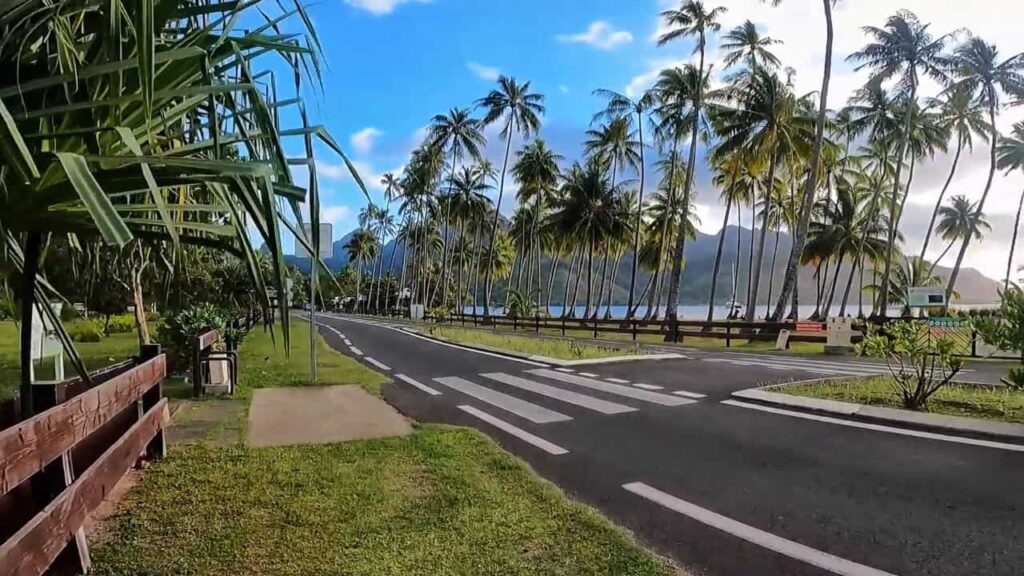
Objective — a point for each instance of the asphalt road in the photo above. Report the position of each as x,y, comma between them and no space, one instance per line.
724,489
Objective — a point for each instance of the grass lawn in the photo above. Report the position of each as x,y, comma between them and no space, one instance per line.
442,501
263,364
991,403
96,355
564,350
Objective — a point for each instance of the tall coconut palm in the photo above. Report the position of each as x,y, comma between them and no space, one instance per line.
362,246
665,210
460,135
813,168
767,121
745,44
1011,157
729,169
536,169
637,110
614,142
977,69
392,191
914,272
904,49
519,111
963,114
686,98
957,221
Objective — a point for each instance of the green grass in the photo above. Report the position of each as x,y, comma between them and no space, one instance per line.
561,349
96,355
442,501
990,403
264,364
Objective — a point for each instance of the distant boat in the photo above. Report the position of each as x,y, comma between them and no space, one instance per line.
735,307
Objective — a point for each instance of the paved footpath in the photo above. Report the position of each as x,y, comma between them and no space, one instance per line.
725,487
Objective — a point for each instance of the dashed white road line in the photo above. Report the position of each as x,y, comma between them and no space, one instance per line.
689,394
378,363
522,408
416,384
627,391
550,448
617,380
347,342
355,350
649,386
777,544
566,370
880,428
589,375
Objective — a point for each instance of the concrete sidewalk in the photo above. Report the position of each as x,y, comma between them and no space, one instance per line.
291,416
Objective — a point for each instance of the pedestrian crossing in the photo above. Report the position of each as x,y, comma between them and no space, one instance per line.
807,365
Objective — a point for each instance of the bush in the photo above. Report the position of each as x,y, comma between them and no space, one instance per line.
8,310
919,362
85,330
1007,332
177,332
68,313
121,324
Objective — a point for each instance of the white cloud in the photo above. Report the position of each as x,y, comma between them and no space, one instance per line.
601,35
362,141
341,173
489,73
563,88
381,7
338,215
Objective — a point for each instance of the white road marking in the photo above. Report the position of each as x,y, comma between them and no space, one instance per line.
617,380
653,397
355,350
347,342
879,427
378,364
598,405
778,544
523,435
589,375
522,408
566,370
649,387
416,384
689,394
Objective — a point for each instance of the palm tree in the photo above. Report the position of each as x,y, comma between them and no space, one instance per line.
807,202
1011,157
536,169
745,44
392,191
460,135
686,93
469,203
914,272
729,170
978,71
958,221
519,110
769,122
361,247
614,143
903,49
964,115
637,109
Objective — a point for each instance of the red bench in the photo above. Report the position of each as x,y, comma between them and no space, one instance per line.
809,326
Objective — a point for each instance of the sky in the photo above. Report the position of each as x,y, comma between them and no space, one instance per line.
394,64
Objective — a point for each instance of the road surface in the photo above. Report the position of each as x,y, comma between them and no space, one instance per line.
725,488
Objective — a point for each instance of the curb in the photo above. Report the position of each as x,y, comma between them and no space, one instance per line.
894,416
545,359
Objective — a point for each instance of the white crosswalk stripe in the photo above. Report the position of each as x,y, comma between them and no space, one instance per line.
583,400
521,408
825,367
627,391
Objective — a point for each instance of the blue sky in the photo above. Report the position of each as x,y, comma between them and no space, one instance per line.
393,64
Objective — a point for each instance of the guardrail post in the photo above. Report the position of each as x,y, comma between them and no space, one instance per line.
634,323
536,323
157,448
563,325
595,328
675,330
728,336
974,343
197,370
515,323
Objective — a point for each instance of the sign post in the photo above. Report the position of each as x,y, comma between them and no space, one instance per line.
324,250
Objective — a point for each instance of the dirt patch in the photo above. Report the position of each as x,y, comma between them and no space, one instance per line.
219,422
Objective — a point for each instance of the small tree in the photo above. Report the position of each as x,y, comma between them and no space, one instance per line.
920,363
1006,332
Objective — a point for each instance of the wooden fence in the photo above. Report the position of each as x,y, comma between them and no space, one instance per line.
676,331
57,466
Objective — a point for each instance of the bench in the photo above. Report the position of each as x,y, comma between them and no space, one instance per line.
809,326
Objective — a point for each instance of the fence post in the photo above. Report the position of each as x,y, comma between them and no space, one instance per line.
595,328
157,448
197,370
515,323
563,325
974,343
675,330
634,322
536,323
728,336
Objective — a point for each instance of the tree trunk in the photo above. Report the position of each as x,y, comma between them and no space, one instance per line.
476,266
718,256
753,236
600,291
405,263
942,196
611,286
579,278
639,224
800,236
141,329
651,311
29,270
771,269
1013,243
590,276
981,203
494,227
551,276
759,259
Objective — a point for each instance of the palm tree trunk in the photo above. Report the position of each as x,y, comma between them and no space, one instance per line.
1013,243
800,236
476,266
817,285
651,311
405,265
600,292
718,256
771,269
391,273
494,226
359,282
759,259
753,236
835,283
639,224
611,285
568,282
557,257
981,203
579,277
460,293
942,196
590,276
29,270
849,284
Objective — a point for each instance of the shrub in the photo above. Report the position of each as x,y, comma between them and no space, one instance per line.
8,309
85,330
1007,331
121,324
68,313
177,332
919,362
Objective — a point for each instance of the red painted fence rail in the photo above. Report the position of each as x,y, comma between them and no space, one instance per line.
58,466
